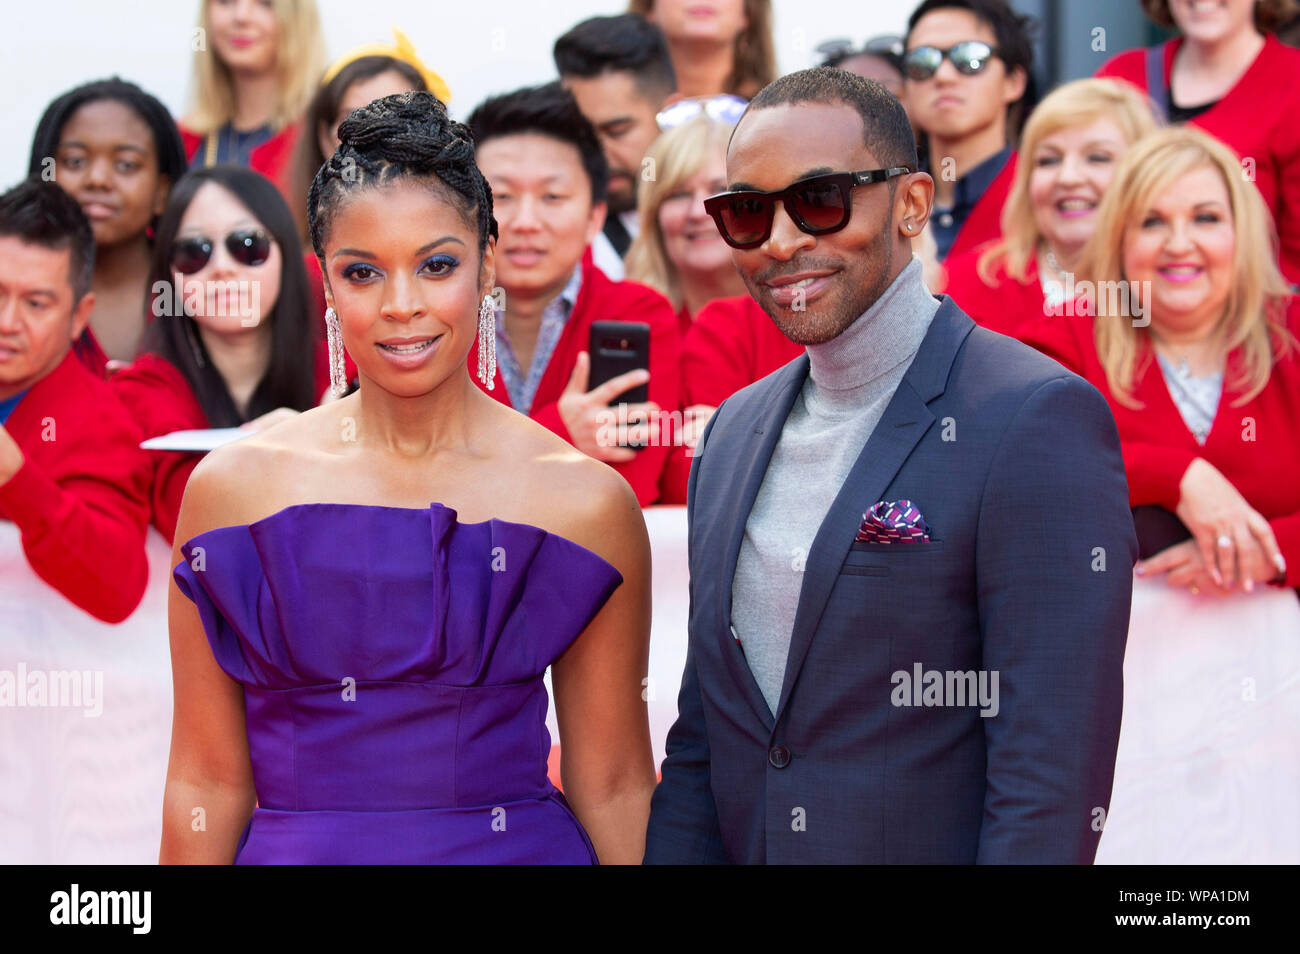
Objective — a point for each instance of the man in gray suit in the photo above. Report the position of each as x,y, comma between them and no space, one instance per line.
910,548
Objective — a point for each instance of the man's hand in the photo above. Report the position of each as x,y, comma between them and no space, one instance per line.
597,429
11,456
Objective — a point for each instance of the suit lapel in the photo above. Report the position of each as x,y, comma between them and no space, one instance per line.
901,427
764,434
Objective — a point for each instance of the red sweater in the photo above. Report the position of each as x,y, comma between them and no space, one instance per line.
1005,305
80,498
984,224
1257,119
600,299
271,158
1253,445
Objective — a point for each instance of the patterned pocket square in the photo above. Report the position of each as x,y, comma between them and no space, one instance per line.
893,522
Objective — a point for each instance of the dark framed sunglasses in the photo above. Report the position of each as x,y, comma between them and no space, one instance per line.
969,57
819,205
246,246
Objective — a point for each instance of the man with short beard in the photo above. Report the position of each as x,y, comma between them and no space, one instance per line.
913,495
620,74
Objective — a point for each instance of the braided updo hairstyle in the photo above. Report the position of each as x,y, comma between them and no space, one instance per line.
406,134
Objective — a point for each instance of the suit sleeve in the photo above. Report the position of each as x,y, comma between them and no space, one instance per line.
83,527
684,825
1055,549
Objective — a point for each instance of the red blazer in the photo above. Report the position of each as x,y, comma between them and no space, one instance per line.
160,400
1005,305
1257,119
271,158
600,299
81,497
90,353
984,224
1253,445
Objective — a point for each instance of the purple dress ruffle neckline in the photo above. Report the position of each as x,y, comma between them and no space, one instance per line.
392,662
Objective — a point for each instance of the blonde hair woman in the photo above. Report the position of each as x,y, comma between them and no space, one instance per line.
1193,346
727,49
678,251
255,70
1069,150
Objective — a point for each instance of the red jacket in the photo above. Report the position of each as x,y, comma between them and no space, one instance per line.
161,401
984,224
271,158
1253,445
1005,305
80,498
1257,119
731,343
600,299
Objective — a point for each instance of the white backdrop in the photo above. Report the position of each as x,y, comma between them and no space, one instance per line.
479,48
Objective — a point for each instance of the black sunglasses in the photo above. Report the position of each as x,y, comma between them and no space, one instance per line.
246,246
970,57
819,205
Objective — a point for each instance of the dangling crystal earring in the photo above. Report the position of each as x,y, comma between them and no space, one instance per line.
487,342
338,375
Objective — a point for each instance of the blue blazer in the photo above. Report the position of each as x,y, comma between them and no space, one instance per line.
1015,464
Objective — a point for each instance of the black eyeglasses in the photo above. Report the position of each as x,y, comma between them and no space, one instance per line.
819,205
246,246
970,57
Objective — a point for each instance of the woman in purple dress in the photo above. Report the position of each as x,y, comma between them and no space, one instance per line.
367,595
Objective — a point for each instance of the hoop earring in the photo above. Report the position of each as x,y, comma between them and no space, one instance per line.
334,334
487,342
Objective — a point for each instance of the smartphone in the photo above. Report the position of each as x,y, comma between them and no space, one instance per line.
617,347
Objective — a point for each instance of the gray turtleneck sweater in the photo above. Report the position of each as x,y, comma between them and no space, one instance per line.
851,380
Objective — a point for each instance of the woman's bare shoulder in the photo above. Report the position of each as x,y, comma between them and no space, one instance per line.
579,497
253,477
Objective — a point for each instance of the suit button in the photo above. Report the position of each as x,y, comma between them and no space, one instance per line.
779,756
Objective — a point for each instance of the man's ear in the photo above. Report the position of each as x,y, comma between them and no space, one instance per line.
596,221
912,203
81,314
1014,86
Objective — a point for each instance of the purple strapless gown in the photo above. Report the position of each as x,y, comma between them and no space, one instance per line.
392,663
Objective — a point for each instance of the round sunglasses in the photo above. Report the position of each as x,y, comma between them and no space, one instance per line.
969,57
818,205
246,246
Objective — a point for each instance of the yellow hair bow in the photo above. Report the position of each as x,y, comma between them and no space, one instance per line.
402,49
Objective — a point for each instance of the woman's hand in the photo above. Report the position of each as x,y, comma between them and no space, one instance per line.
269,419
1235,543
1182,566
599,430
